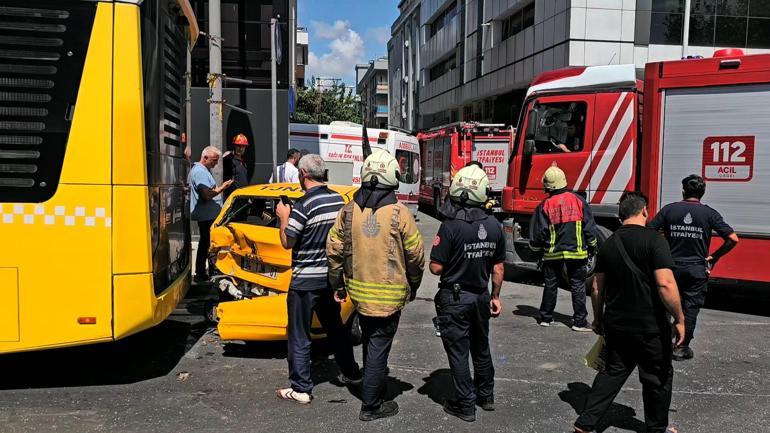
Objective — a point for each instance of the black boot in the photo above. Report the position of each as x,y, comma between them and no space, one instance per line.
486,403
386,409
464,412
682,353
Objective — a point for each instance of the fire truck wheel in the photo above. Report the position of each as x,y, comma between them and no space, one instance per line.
602,234
436,203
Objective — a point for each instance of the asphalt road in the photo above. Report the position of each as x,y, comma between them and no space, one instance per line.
180,377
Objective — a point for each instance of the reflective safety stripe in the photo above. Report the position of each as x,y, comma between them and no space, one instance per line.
552,229
579,234
376,294
376,302
412,241
415,278
382,286
565,255
335,234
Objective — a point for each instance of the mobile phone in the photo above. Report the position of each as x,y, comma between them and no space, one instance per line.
285,200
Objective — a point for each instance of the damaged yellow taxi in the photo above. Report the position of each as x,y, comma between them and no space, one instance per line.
254,270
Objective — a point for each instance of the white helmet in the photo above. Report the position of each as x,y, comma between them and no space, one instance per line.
554,179
470,185
382,168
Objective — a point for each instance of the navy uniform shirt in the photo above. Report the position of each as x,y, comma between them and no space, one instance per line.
468,250
235,169
310,220
688,226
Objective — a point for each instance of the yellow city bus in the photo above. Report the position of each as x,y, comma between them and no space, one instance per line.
94,225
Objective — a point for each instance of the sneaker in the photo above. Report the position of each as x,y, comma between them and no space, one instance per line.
582,329
465,413
682,353
544,323
289,394
346,381
386,409
486,403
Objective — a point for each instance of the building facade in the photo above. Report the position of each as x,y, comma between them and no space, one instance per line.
301,56
372,89
246,55
404,66
475,58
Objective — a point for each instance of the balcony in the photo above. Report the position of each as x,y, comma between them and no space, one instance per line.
381,111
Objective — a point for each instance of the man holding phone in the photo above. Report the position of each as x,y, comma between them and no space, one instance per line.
304,229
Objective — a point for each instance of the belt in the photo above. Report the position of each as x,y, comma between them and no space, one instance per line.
462,287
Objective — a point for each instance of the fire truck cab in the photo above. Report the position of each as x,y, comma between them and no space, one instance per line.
612,132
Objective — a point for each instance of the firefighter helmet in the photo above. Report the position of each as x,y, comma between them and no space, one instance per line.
382,169
240,140
554,179
470,185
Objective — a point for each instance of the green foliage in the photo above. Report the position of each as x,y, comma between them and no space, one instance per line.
326,104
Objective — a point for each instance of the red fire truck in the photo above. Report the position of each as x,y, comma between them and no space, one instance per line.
446,149
611,132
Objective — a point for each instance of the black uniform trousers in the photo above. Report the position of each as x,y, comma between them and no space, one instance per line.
576,278
377,338
652,354
301,304
692,280
463,321
202,255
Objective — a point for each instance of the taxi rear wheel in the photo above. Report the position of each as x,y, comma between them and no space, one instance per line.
354,329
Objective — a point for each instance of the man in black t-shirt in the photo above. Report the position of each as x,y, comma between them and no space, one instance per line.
469,249
688,225
633,289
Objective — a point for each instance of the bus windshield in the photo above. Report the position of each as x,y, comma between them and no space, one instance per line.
409,166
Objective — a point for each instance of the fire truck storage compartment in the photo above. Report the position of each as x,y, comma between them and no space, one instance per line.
723,134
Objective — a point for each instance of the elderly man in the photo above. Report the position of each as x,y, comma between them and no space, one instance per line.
304,229
205,204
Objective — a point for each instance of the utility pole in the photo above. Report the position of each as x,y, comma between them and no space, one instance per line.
274,98
686,29
215,82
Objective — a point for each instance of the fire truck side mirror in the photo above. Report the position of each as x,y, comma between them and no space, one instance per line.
529,147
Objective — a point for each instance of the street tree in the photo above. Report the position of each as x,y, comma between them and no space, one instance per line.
324,104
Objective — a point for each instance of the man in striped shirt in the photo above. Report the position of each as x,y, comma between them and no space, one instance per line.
304,229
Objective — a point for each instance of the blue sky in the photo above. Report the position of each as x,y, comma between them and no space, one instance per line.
345,32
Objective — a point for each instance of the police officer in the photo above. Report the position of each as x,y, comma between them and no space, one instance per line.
563,231
688,225
234,166
468,248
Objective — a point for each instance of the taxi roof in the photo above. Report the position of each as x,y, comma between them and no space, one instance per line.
290,190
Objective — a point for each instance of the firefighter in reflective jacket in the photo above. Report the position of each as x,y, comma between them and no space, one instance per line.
376,256
468,249
563,231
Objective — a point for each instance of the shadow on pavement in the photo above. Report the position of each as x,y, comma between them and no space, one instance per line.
146,355
530,311
619,416
438,386
739,298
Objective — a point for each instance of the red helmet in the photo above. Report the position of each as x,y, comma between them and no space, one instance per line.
240,140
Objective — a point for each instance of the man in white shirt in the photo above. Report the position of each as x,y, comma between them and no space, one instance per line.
287,172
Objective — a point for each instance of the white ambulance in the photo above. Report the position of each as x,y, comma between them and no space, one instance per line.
339,144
